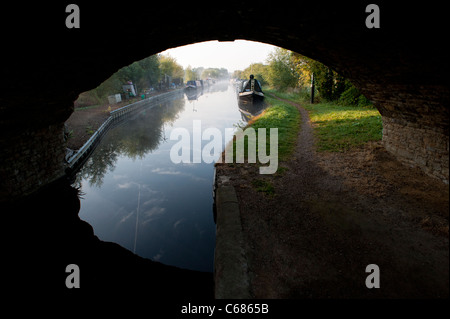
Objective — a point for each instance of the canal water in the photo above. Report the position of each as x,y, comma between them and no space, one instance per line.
134,195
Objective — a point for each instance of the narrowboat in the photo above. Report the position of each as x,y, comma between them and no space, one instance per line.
194,85
251,91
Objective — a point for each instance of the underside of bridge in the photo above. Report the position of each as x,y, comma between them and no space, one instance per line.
402,67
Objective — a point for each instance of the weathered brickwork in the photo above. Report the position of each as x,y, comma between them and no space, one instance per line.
30,160
418,145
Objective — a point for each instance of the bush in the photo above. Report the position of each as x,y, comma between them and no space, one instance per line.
363,101
352,96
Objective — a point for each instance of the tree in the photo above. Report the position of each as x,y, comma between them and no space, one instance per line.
259,70
292,70
215,73
170,67
151,66
238,74
132,72
145,73
323,76
281,71
189,74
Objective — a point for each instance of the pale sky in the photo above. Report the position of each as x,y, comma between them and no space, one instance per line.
232,56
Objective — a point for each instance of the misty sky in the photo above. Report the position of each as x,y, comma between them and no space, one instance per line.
236,55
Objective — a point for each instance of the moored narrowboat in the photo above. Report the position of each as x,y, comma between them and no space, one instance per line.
251,90
194,85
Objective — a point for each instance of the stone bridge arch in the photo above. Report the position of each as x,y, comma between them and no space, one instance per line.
402,66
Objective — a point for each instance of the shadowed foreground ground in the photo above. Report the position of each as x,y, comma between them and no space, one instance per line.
44,234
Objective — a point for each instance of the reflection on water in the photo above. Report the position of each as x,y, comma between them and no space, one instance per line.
135,196
134,138
250,110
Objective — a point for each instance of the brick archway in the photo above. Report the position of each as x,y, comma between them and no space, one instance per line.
402,67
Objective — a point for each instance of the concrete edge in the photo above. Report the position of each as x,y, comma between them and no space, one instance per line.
230,262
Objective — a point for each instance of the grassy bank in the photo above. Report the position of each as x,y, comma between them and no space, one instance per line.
339,128
279,115
284,117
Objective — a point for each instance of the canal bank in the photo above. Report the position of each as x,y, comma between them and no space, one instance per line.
232,275
329,216
230,260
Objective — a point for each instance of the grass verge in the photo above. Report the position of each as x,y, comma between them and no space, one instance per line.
338,127
284,117
279,115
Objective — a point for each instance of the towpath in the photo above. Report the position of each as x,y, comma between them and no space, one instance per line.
332,214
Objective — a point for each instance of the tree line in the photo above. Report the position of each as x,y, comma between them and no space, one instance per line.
201,73
287,70
156,72
284,70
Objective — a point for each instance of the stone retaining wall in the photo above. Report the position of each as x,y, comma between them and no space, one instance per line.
418,145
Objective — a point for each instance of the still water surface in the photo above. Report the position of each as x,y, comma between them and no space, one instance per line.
135,196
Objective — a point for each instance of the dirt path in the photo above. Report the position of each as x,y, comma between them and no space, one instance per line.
333,214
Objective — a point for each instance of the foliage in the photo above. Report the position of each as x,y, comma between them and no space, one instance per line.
214,73
352,96
281,70
330,85
169,66
287,71
259,70
145,74
190,74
